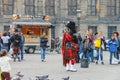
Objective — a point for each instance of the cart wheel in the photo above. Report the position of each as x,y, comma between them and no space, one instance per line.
31,50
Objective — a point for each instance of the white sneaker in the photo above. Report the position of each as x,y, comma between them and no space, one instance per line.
72,69
67,67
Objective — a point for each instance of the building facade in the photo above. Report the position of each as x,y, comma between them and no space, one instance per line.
100,15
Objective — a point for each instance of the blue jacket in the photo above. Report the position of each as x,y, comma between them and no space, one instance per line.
113,44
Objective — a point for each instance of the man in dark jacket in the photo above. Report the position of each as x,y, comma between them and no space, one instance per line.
16,39
43,46
79,38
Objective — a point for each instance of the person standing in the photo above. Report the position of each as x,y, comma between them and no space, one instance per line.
16,39
22,45
57,44
1,41
43,46
5,40
116,34
91,36
5,65
113,44
9,33
79,42
98,42
87,46
69,48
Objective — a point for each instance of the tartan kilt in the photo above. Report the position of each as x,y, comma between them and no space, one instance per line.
69,54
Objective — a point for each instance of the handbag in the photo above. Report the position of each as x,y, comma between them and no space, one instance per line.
11,51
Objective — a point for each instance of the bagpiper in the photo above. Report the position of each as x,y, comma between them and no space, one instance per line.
69,47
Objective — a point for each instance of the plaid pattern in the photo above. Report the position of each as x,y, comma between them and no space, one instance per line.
69,53
16,50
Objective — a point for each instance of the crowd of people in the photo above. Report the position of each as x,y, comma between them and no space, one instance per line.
11,45
13,40
75,48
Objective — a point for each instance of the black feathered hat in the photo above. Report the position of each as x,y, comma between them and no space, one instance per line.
71,25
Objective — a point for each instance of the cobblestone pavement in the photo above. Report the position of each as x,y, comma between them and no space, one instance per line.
33,66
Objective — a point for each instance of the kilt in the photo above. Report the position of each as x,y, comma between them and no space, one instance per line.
69,54
16,50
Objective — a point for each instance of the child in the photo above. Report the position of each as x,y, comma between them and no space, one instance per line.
5,65
113,44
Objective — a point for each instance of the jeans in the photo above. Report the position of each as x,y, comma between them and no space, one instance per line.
100,54
117,55
92,55
80,51
111,54
22,51
86,54
5,47
43,52
0,47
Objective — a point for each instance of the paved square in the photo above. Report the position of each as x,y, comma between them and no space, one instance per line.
33,66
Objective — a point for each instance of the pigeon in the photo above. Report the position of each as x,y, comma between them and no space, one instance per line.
42,76
19,74
66,78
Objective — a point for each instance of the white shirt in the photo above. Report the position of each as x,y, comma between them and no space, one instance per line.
5,39
5,64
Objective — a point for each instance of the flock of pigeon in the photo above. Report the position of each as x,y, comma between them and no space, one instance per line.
39,77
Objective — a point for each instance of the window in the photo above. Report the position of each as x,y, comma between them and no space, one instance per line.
111,29
111,8
92,11
29,7
72,7
8,7
6,27
50,7
38,6
94,28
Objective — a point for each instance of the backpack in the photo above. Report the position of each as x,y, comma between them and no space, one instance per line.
97,43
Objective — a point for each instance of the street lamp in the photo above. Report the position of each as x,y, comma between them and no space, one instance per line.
78,17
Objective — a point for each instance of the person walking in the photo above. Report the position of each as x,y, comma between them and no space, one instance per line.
16,39
113,44
5,65
43,46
